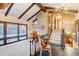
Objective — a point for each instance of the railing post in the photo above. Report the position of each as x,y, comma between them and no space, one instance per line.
30,48
35,47
31,42
62,39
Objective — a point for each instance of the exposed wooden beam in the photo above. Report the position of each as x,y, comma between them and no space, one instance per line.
9,9
69,10
39,5
26,10
35,20
49,7
3,5
34,15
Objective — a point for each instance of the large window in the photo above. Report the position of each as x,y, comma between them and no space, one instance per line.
22,30
10,32
1,30
1,33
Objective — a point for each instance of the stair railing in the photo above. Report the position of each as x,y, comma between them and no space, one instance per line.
33,45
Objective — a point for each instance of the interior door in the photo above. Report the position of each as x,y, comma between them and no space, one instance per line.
77,34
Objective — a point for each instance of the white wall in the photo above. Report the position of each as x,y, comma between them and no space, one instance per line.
43,20
77,16
21,48
13,19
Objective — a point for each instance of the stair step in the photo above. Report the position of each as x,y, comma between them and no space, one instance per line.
55,37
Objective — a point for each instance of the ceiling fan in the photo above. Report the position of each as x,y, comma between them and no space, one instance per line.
62,9
3,5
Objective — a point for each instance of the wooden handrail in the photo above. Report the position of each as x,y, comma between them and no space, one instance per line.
30,48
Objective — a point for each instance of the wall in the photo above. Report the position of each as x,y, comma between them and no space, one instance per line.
21,48
76,16
43,19
16,20
67,21
30,28
12,19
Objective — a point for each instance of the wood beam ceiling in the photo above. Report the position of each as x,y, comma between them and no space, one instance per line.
26,10
3,5
49,7
34,20
61,10
34,15
39,5
8,10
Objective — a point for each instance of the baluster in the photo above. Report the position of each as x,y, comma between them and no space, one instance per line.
30,48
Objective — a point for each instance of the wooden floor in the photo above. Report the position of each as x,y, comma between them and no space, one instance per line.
68,51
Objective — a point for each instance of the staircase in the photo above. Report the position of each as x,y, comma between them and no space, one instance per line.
56,37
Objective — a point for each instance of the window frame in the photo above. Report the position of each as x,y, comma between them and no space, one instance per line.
3,31
5,38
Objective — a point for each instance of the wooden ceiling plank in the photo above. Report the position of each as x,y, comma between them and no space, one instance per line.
26,10
34,15
8,10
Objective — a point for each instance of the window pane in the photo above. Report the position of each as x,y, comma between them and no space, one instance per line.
11,40
22,30
21,38
1,30
11,30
